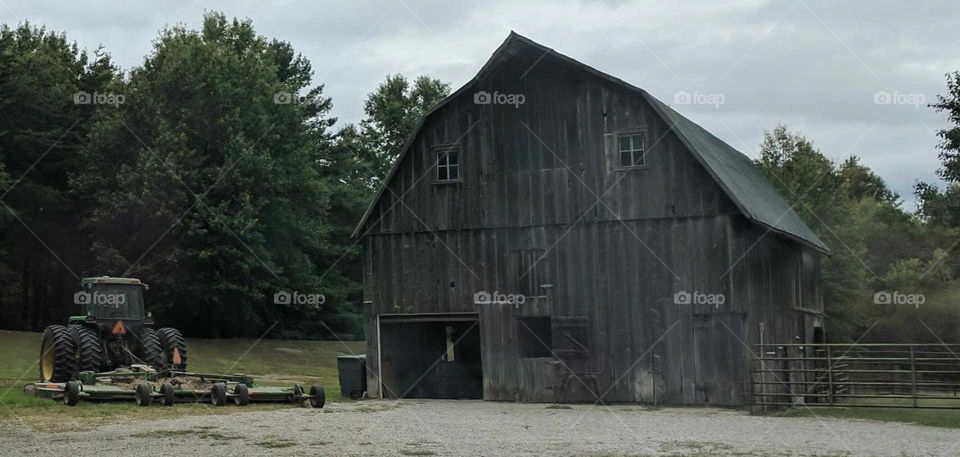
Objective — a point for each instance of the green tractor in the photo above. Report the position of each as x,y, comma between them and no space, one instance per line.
114,331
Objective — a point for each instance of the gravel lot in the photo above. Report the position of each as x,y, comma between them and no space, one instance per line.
489,429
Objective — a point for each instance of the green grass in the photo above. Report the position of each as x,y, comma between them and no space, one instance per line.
202,433
275,443
932,417
271,362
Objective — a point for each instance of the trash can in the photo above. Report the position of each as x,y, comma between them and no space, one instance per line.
352,371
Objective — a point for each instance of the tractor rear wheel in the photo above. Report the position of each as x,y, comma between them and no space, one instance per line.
149,348
58,355
173,347
89,351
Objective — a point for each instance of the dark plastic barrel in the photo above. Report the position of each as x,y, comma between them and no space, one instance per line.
353,375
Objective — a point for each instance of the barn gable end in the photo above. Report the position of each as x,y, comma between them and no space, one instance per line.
602,254
742,183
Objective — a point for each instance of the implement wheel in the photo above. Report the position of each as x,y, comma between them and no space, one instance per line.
89,351
144,394
168,393
71,393
218,394
58,355
241,395
173,347
318,396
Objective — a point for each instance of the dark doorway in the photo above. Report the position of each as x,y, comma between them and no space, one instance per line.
431,356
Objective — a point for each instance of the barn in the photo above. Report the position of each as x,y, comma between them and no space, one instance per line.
553,233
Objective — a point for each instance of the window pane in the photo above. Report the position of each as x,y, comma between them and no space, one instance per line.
442,158
454,172
637,142
625,159
535,336
442,173
452,157
624,143
638,157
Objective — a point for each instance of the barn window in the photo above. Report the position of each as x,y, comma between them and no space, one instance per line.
536,336
448,165
631,149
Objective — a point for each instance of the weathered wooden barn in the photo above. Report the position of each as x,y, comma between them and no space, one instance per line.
552,232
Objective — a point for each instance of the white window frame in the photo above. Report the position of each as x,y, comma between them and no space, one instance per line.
632,149
441,151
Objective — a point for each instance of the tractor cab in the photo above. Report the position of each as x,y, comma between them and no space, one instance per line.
104,300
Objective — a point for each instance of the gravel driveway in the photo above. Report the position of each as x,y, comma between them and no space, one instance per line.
490,429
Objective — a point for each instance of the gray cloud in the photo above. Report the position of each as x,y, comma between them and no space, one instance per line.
813,65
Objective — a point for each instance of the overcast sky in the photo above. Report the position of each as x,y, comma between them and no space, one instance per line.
818,66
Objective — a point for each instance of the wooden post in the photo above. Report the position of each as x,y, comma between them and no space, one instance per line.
913,376
763,377
830,375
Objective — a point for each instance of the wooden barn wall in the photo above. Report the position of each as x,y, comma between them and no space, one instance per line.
531,178
601,271
774,277
545,162
775,284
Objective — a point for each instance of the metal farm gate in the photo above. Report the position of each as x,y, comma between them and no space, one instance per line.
860,375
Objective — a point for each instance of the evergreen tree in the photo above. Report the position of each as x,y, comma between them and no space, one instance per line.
209,182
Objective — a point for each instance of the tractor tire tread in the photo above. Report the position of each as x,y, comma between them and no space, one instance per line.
89,349
149,348
170,339
64,352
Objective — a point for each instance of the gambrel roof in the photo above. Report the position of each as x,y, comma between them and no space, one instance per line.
733,171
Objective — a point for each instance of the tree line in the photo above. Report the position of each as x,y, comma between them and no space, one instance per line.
215,172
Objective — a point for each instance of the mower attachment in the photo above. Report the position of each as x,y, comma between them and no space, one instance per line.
145,386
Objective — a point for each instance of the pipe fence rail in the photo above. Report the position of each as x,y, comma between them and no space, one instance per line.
860,375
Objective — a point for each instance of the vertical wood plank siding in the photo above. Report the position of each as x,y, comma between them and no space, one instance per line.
618,243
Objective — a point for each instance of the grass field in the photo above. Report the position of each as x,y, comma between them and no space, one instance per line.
932,417
271,362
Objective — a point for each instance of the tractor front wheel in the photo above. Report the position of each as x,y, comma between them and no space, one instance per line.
149,348
89,351
58,355
174,349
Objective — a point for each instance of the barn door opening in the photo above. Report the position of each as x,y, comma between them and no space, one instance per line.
430,356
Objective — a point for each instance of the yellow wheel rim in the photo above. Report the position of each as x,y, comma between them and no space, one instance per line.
47,361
